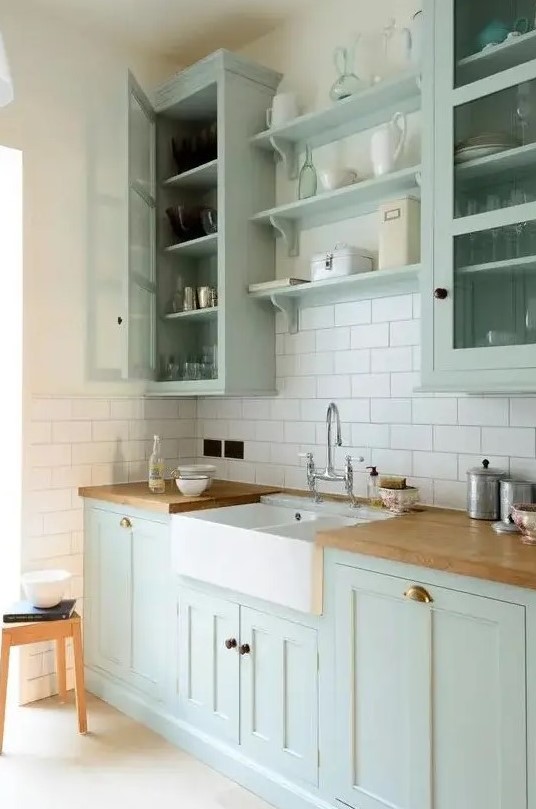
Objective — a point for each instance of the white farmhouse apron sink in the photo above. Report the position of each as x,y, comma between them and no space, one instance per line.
266,550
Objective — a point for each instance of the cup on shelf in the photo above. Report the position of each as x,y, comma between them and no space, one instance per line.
209,220
205,297
190,299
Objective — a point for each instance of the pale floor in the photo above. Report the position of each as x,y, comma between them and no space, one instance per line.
46,764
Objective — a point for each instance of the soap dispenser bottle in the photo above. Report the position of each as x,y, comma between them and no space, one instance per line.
373,487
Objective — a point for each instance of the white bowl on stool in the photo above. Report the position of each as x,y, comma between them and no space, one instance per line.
45,588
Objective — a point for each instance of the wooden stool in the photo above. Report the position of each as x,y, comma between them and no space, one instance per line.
22,634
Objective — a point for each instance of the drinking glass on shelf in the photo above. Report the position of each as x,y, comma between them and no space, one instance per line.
518,232
474,238
523,109
496,251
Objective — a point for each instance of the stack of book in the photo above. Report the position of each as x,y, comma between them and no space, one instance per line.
24,613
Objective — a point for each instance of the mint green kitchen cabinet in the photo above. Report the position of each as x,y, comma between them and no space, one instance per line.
229,348
126,598
279,694
430,696
208,663
250,677
479,224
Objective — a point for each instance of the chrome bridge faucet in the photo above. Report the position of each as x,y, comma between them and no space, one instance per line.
329,473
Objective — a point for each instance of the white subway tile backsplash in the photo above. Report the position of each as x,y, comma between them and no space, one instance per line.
370,385
257,451
44,408
317,317
392,461
334,387
434,410
523,412
356,361
404,333
442,465
450,494
353,313
483,411
391,359
265,430
404,383
90,409
317,364
411,436
397,307
253,409
50,455
301,432
303,342
457,439
523,468
389,411
337,339
300,387
72,432
370,435
516,441
39,432
284,410
126,409
375,335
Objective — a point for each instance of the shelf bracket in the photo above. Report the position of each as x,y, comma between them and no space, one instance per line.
288,154
288,230
290,309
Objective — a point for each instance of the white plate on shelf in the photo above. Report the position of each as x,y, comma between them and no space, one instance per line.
474,152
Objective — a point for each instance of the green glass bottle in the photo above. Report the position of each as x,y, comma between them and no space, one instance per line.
307,181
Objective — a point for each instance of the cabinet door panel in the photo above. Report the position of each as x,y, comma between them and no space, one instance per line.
208,670
107,593
382,704
279,694
478,703
149,604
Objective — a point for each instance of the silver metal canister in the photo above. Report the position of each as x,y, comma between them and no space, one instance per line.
483,491
514,491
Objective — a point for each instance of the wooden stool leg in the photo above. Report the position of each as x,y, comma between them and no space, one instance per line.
61,669
4,669
79,678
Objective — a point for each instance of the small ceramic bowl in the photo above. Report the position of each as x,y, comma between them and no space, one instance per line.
331,179
196,469
399,501
45,588
192,485
524,516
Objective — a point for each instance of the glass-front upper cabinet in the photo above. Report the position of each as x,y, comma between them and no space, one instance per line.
483,64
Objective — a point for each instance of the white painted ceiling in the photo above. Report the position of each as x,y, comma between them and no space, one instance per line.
185,29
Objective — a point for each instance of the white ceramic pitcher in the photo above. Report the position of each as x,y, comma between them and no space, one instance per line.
387,143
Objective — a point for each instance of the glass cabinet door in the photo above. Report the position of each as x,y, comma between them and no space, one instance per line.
485,185
141,282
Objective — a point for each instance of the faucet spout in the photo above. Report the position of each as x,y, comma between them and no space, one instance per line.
332,413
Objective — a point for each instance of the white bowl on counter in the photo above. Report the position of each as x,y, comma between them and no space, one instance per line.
399,501
197,469
192,485
331,179
45,588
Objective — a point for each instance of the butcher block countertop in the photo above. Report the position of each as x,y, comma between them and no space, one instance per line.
442,540
221,493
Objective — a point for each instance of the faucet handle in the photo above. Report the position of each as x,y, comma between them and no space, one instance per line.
311,474
354,459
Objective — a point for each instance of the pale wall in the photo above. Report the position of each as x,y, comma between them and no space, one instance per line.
69,120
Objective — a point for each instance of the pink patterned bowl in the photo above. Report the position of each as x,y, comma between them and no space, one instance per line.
399,501
524,516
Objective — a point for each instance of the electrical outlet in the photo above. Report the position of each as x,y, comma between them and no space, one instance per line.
212,448
233,449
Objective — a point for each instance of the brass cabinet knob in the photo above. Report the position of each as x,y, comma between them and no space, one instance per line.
125,523
417,593
244,649
231,643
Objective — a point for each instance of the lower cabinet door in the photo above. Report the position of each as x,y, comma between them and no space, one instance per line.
209,663
430,700
279,694
150,605
107,593
479,736
381,756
